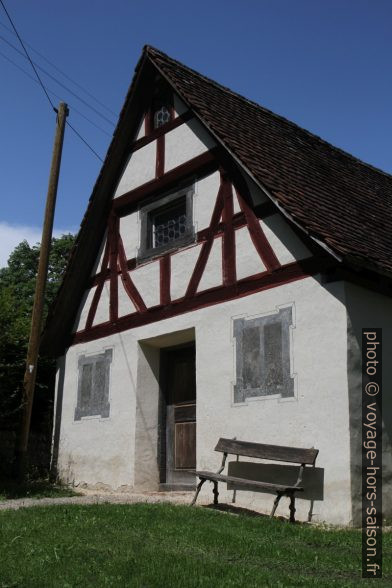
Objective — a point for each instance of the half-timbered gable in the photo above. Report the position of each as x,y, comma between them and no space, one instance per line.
186,229
211,294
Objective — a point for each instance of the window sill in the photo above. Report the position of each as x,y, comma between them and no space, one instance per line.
145,256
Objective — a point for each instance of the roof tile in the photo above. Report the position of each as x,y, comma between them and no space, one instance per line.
338,199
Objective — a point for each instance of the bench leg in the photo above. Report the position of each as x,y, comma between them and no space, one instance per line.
216,493
276,502
200,484
292,508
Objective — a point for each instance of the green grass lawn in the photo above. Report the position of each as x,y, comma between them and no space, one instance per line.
35,489
169,546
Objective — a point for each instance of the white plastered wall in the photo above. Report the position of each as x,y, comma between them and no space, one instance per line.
186,142
94,450
181,144
102,451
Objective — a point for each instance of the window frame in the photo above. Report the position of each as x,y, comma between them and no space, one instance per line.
149,120
154,115
146,250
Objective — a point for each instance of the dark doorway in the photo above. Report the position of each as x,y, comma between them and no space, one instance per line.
178,437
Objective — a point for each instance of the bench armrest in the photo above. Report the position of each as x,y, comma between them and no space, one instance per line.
222,464
300,474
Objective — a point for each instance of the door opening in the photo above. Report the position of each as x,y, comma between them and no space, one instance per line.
178,417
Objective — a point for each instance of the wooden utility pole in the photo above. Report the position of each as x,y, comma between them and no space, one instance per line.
36,319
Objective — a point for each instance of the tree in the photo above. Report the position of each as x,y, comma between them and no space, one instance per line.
17,285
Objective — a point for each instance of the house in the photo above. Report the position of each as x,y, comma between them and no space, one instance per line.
225,267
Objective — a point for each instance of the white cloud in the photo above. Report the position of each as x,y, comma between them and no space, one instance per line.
12,235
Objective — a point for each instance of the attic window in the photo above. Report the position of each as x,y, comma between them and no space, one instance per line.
161,116
166,223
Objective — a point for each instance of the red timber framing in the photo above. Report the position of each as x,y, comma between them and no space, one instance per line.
114,256
114,245
158,135
152,134
224,223
164,280
160,158
201,165
228,240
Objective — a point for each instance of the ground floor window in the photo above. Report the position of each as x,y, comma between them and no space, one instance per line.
263,356
93,385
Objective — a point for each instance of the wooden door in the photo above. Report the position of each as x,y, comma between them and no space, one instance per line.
180,416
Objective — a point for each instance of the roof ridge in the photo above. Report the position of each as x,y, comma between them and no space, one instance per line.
150,50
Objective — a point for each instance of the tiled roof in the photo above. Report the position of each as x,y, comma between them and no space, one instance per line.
337,199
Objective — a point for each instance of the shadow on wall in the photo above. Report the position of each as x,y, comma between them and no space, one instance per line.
312,479
367,310
57,419
146,475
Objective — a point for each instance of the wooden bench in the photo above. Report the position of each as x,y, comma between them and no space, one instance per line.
279,453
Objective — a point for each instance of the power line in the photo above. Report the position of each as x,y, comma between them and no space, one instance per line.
28,56
84,141
63,73
60,83
43,87
74,109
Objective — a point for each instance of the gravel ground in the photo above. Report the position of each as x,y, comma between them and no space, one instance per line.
90,497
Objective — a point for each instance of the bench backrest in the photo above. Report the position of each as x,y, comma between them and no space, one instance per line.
272,452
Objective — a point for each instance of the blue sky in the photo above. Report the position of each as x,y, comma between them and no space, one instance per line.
325,64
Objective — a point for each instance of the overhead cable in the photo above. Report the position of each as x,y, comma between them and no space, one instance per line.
74,109
42,85
60,83
63,73
28,56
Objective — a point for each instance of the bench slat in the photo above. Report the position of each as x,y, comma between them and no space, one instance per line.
249,483
262,451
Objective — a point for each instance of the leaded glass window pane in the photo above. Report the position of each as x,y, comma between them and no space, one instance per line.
166,223
161,117
169,224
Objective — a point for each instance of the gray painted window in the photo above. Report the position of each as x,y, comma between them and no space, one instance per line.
263,356
166,223
93,385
